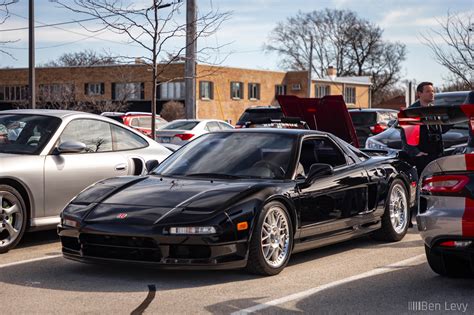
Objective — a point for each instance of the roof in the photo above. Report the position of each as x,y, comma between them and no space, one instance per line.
278,131
362,80
46,112
372,110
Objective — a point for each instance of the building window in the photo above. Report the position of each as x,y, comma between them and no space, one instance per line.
280,89
56,91
128,91
236,90
321,90
14,93
94,89
254,91
206,90
171,91
350,95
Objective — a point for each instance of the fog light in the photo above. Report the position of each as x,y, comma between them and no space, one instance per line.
193,230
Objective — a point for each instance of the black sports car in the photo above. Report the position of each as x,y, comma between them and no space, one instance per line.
241,198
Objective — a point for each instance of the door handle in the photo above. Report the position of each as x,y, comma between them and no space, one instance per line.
121,167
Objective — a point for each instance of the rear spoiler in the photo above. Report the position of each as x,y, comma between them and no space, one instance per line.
324,114
410,119
291,121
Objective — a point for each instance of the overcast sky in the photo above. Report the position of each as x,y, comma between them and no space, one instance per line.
244,33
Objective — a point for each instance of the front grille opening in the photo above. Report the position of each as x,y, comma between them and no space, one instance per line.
122,241
121,253
71,243
190,251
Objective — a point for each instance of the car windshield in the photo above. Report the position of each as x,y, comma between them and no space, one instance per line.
233,155
180,125
26,134
363,118
447,99
256,114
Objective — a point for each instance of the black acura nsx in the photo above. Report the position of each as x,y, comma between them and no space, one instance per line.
241,198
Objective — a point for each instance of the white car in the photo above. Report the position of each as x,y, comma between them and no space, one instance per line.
181,131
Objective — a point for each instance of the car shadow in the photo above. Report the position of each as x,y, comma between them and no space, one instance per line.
390,293
38,238
58,273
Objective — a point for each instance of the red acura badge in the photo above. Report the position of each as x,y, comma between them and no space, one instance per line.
121,216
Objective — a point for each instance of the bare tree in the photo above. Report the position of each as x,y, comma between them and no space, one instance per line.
4,15
82,58
150,27
354,45
456,52
172,110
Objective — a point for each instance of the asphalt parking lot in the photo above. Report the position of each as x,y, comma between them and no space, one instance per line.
360,276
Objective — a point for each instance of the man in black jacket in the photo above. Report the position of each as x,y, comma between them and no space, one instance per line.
430,146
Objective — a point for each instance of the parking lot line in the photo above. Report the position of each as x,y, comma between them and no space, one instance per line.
306,293
21,262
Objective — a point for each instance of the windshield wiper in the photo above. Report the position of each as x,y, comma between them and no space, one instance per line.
213,175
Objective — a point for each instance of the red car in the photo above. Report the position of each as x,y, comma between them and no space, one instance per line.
140,121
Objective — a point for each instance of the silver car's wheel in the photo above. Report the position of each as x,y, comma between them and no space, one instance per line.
12,218
275,237
398,208
271,240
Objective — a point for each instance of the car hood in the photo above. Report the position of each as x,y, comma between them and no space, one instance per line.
150,198
327,114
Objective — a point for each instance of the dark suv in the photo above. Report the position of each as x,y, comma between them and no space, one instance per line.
458,134
258,112
371,121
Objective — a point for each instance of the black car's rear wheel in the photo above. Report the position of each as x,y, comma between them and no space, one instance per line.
13,218
396,216
272,240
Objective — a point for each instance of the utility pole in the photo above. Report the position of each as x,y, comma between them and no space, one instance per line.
190,63
31,57
310,64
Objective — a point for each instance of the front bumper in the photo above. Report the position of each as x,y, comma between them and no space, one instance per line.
161,251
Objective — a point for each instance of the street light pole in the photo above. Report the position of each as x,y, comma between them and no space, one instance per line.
31,57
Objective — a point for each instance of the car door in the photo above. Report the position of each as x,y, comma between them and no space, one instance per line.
69,173
330,204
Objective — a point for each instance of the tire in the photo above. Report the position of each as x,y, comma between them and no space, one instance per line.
273,233
396,216
448,265
13,218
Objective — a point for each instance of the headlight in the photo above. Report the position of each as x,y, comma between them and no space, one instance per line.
69,222
199,230
374,144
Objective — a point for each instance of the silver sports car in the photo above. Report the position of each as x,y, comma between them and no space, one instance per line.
49,156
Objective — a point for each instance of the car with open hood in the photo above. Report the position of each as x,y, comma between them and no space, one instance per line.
48,156
243,198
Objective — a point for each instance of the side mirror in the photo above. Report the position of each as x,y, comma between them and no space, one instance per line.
151,164
317,170
71,147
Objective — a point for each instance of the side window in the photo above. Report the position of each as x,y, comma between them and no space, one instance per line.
329,153
213,126
134,122
95,134
319,151
126,140
224,126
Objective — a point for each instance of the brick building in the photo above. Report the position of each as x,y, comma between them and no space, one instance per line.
222,92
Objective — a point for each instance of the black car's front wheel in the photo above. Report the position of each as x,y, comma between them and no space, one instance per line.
272,240
13,218
396,216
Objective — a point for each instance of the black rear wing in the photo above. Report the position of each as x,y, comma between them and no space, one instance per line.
284,122
411,119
